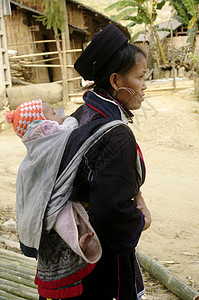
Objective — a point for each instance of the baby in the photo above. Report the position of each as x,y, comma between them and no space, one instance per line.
35,119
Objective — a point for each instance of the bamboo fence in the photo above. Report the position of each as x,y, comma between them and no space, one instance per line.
43,53
38,63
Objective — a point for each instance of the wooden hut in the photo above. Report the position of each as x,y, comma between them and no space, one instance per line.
26,35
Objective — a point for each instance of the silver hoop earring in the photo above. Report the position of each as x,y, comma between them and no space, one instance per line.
130,91
114,94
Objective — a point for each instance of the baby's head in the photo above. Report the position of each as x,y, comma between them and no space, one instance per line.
28,112
50,114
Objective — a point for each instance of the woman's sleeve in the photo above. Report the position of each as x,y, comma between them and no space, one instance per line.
113,213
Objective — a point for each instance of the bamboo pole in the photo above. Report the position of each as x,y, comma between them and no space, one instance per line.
168,88
173,60
33,42
76,95
20,261
18,268
170,281
17,279
42,66
65,86
60,54
18,289
6,296
15,254
46,66
35,50
38,61
66,41
46,53
17,274
73,79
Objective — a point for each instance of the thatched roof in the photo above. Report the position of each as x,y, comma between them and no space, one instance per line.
174,24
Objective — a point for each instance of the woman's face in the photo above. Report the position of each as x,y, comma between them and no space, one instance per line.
133,80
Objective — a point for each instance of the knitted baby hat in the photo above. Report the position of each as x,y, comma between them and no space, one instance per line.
25,114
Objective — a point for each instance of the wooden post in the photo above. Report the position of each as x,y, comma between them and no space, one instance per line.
67,45
65,84
173,59
61,63
35,50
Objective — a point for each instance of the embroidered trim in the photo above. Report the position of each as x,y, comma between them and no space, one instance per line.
96,110
55,284
61,293
128,114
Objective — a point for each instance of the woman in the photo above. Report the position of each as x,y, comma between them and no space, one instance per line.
112,170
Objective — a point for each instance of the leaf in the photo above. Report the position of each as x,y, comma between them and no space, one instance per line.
131,24
124,13
182,13
163,29
192,33
144,18
191,6
134,38
192,22
131,18
120,5
154,16
179,18
161,4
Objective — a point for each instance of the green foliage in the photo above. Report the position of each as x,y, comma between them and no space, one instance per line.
140,12
53,14
191,33
181,13
134,38
161,4
123,14
162,29
191,6
194,57
120,5
187,13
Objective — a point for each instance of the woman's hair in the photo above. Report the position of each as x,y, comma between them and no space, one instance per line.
121,62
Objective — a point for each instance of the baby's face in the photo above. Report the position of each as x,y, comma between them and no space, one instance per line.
50,114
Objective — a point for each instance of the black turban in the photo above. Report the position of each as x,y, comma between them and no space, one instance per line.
103,46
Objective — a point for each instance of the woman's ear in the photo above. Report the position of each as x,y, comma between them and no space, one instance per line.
114,81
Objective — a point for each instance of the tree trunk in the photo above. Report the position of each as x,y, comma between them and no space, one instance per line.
158,42
154,47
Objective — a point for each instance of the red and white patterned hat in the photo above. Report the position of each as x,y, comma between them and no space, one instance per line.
25,114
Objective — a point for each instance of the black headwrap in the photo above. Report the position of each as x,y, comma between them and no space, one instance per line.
103,46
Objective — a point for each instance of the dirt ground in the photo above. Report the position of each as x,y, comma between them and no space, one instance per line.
167,130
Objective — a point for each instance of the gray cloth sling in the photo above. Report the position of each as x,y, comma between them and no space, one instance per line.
40,194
